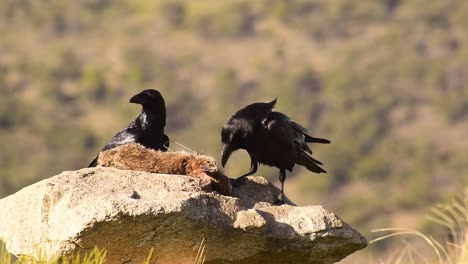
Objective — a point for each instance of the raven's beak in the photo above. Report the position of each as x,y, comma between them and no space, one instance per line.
137,99
226,153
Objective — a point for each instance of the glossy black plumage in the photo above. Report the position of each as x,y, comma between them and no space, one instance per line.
270,138
147,128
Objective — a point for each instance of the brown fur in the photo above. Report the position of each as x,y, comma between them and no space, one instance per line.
136,157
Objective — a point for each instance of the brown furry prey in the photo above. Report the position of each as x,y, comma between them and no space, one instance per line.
270,138
138,158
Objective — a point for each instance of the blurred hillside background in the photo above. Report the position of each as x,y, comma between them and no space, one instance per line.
384,80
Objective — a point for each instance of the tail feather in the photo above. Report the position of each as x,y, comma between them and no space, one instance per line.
93,163
316,161
310,163
316,140
308,136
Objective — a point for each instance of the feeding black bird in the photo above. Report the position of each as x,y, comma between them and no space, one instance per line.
147,128
270,138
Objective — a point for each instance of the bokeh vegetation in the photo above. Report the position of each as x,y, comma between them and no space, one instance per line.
385,80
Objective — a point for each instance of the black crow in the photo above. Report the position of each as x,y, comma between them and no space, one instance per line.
270,138
147,128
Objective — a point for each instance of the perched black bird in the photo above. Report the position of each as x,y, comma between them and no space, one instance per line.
270,138
147,128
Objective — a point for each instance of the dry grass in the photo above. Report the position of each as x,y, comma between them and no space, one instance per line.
200,259
453,250
96,256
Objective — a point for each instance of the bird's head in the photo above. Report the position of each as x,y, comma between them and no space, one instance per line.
148,96
239,127
233,135
150,99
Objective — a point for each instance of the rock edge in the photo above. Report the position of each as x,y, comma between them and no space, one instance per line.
129,212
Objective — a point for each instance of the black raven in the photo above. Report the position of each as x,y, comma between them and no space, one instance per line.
270,138
147,128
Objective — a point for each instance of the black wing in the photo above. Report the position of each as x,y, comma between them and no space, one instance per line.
291,134
279,125
128,135
125,136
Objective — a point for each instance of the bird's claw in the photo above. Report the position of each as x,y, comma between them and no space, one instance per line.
280,200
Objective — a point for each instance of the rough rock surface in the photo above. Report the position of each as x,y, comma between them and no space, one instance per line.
129,212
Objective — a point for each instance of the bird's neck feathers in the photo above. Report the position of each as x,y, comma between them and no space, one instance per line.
154,111
146,119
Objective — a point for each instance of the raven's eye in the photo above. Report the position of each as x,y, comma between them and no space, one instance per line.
147,96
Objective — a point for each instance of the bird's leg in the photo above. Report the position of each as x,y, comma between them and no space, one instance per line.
282,178
253,168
